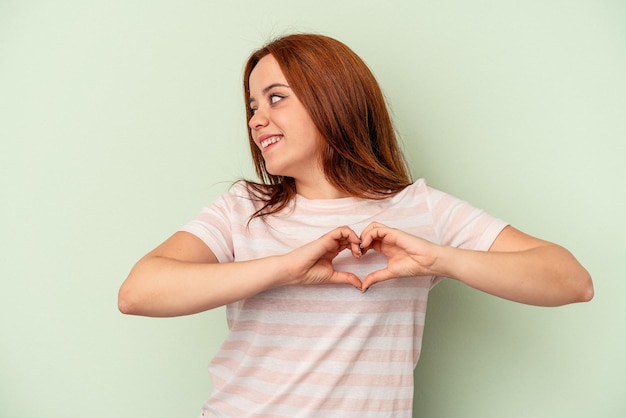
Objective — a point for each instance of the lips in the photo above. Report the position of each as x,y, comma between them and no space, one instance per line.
266,141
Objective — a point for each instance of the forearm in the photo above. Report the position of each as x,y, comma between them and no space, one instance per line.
182,276
162,287
546,275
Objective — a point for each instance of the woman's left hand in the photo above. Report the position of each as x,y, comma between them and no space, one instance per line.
517,267
407,255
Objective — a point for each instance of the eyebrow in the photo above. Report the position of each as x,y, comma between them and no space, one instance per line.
268,88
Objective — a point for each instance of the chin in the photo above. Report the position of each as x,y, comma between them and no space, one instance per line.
276,171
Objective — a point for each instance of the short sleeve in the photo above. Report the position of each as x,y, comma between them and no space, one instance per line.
213,225
459,224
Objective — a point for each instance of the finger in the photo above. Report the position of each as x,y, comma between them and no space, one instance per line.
372,233
372,225
344,277
347,238
343,233
338,239
375,277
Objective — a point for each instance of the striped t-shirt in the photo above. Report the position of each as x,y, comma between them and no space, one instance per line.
328,350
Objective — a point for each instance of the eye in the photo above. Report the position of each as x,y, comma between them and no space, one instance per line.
274,98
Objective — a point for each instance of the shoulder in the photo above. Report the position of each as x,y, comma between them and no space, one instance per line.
435,198
244,192
235,202
239,189
416,190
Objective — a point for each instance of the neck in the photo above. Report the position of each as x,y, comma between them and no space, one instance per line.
321,189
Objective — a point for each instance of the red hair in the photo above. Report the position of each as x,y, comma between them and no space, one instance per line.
360,154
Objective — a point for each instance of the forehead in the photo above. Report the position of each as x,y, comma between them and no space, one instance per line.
265,73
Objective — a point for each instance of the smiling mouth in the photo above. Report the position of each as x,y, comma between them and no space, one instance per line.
269,141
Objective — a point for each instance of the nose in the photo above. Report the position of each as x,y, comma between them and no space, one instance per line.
258,120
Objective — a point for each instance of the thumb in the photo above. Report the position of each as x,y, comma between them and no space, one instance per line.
375,277
347,278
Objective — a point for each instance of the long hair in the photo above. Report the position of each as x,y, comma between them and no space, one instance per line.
359,154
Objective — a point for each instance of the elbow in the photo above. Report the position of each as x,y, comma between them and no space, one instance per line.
581,288
580,284
129,299
125,302
586,291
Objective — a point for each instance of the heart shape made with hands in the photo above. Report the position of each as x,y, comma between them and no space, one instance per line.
407,255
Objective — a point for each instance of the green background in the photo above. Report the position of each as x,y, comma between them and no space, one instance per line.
119,120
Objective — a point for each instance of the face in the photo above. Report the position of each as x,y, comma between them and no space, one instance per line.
280,126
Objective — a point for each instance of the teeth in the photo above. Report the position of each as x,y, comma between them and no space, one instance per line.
269,141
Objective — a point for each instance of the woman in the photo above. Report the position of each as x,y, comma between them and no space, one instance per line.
334,210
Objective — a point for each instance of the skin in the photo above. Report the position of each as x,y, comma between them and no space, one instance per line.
182,275
278,113
517,267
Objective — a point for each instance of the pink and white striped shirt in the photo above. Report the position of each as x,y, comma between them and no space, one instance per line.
328,350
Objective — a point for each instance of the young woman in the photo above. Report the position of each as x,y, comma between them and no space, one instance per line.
325,263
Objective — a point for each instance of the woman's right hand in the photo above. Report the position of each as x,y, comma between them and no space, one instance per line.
182,276
313,263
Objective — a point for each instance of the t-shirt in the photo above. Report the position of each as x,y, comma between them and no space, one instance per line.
327,350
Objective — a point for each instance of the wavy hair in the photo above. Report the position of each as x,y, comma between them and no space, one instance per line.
359,154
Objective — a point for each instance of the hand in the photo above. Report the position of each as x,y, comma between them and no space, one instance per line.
407,255
313,263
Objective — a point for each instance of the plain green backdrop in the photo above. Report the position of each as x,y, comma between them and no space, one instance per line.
119,120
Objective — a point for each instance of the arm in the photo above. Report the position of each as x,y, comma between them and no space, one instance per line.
182,276
517,267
